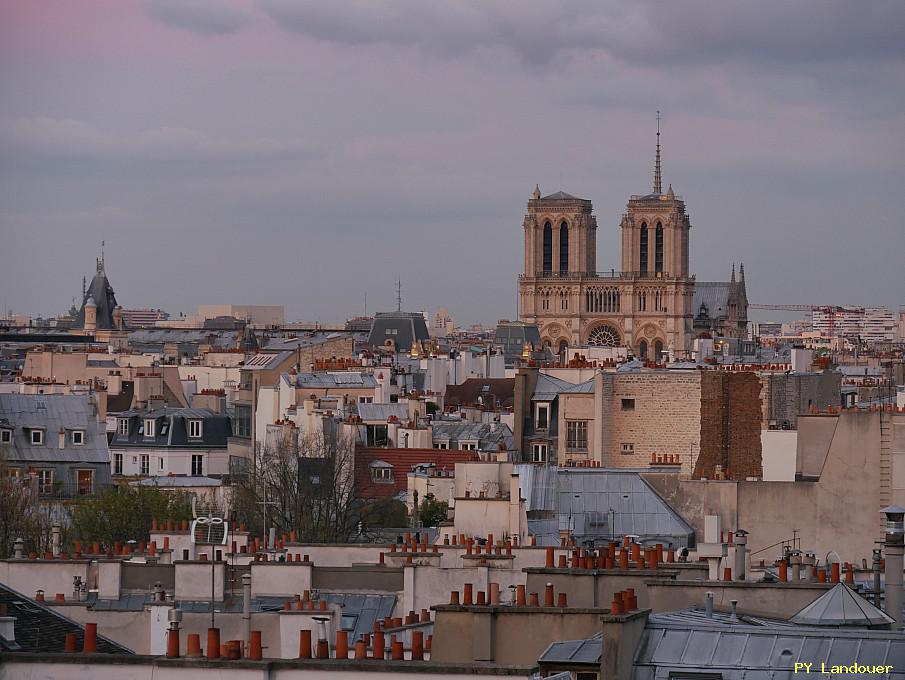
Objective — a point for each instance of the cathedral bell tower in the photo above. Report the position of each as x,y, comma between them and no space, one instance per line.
655,231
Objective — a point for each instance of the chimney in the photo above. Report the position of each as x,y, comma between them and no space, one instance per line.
895,549
733,614
709,604
741,541
55,539
19,549
246,609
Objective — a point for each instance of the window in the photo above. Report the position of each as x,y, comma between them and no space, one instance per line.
628,448
381,473
548,248
541,421
45,481
443,446
197,467
160,463
539,453
117,463
195,429
377,435
658,249
149,427
468,446
242,423
365,400
628,404
78,438
642,259
6,436
577,435
37,437
145,467
563,248
85,482
123,427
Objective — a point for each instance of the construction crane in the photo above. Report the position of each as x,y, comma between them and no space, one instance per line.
786,308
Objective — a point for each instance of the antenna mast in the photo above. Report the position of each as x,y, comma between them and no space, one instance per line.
399,295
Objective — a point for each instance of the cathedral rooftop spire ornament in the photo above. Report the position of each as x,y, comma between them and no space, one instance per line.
658,180
536,194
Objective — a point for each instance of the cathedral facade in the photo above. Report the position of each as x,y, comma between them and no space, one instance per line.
649,306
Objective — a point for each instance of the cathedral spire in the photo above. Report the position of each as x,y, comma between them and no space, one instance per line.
658,181
732,280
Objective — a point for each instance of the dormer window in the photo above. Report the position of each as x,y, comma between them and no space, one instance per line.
122,427
36,437
542,417
381,472
6,436
195,429
78,437
149,428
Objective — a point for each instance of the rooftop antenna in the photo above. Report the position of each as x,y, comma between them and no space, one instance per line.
366,303
84,288
399,294
658,182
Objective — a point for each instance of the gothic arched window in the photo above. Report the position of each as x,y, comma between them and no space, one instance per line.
642,260
658,249
642,349
548,248
563,248
658,350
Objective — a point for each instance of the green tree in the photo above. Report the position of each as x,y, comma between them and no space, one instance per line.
21,514
124,513
431,511
431,408
383,513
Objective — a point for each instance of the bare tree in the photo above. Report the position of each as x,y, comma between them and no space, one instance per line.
302,482
22,514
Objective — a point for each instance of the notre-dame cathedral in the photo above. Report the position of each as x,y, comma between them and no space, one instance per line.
653,306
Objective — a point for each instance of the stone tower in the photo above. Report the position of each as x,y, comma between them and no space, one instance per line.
646,307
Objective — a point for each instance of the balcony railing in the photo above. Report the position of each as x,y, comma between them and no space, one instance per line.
611,275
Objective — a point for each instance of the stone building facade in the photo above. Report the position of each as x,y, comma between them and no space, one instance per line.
648,306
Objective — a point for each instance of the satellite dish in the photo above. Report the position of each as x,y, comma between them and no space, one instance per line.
209,526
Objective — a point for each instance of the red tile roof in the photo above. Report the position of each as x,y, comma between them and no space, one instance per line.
402,461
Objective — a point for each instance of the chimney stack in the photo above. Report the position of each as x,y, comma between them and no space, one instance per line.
895,549
741,541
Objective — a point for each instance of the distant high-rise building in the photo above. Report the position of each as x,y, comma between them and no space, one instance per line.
143,318
870,324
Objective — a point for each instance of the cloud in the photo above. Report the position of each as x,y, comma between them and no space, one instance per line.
208,17
680,31
29,140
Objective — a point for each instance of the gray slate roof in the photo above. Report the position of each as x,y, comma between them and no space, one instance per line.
488,436
841,606
713,294
381,412
561,196
41,629
548,387
637,508
52,412
171,428
337,379
740,651
586,651
402,328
